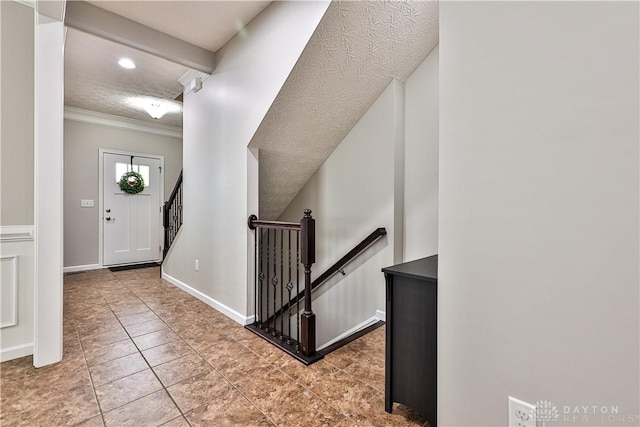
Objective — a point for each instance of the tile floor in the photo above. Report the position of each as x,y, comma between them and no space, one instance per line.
140,352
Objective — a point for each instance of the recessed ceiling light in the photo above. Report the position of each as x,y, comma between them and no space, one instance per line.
127,63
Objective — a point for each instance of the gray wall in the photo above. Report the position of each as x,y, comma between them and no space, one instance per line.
16,123
82,142
421,160
350,200
220,188
539,219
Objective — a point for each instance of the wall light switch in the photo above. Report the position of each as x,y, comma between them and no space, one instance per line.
86,203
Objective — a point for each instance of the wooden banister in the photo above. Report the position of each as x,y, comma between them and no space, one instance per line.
254,223
336,267
350,256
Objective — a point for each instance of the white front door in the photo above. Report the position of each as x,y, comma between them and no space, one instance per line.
131,222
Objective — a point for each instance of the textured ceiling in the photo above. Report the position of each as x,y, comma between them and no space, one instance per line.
208,24
357,49
94,81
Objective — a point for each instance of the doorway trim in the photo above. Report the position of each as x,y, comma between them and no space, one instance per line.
101,152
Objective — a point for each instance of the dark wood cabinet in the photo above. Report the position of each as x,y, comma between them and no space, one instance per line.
411,336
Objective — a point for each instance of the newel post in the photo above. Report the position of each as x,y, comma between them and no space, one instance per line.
308,257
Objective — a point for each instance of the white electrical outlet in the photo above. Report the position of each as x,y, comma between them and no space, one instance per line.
197,265
521,414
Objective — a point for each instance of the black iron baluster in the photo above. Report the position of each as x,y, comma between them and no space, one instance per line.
260,276
255,276
267,266
274,281
289,288
297,291
281,282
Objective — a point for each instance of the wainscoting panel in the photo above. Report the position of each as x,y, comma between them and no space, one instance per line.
8,291
16,291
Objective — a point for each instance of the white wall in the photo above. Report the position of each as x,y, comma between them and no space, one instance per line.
351,195
539,216
363,185
421,160
82,142
220,178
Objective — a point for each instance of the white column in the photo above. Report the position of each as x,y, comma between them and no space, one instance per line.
49,93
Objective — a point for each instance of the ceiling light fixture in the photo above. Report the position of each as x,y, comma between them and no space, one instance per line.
155,107
156,110
127,63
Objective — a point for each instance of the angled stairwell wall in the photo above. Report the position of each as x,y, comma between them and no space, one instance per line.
220,173
384,173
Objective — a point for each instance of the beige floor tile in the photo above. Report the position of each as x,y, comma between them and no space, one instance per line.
217,372
167,352
308,376
372,413
220,352
308,410
152,410
67,408
103,337
182,368
9,419
145,328
230,409
369,370
109,352
196,391
64,375
342,357
132,319
177,422
343,391
127,389
92,422
155,339
117,368
235,370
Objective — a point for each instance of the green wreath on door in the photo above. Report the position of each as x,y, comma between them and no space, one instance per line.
131,182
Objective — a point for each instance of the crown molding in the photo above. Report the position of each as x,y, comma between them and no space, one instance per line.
86,116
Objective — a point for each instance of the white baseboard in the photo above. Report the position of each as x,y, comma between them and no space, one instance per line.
76,268
16,352
370,321
227,311
381,315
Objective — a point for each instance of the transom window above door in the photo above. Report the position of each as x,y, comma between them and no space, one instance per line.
122,168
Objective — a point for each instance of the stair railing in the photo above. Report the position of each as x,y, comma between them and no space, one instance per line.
172,215
280,248
337,267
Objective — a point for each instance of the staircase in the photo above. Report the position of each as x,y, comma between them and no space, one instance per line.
281,248
172,216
